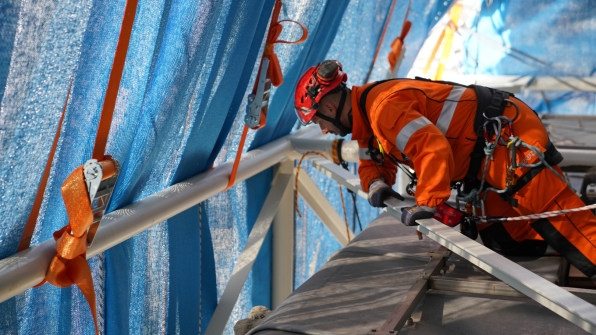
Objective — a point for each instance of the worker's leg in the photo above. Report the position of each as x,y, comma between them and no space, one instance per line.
572,234
510,238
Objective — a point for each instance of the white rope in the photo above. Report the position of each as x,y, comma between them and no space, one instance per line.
485,219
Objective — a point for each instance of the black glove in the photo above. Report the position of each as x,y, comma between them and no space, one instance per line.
379,191
409,215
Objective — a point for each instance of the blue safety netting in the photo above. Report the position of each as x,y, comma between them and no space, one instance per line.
179,112
537,38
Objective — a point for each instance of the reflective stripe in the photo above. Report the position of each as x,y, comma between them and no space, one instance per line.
449,108
404,135
363,154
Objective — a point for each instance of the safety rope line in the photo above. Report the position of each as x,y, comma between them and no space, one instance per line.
542,215
298,169
200,247
234,171
274,76
103,129
343,207
100,292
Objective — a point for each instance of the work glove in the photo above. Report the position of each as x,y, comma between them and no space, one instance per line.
379,191
409,215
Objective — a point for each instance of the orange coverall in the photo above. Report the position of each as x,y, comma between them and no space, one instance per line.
430,127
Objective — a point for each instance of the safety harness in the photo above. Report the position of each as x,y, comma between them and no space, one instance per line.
491,104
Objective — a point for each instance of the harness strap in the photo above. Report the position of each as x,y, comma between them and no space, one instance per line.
552,157
362,102
491,103
362,105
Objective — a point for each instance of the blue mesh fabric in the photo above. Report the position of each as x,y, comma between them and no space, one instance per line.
537,38
187,71
189,67
180,111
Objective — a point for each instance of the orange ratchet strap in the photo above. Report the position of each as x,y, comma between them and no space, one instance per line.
269,74
82,188
30,226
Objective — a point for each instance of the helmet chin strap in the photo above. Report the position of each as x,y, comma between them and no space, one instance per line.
343,130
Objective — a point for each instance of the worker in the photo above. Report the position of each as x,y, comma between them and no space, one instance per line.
484,139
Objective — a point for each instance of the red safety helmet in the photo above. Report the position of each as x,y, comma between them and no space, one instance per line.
314,84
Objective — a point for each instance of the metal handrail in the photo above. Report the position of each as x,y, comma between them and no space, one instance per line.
27,268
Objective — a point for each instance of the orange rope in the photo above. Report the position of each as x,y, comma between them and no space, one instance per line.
341,195
237,160
114,82
311,152
343,207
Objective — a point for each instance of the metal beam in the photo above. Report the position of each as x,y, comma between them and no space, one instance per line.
516,84
339,174
549,295
475,288
282,277
349,149
323,209
247,258
403,311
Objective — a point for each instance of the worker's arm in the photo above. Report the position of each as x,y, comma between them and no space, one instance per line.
401,125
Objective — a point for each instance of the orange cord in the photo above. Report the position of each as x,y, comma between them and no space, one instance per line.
298,168
32,221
